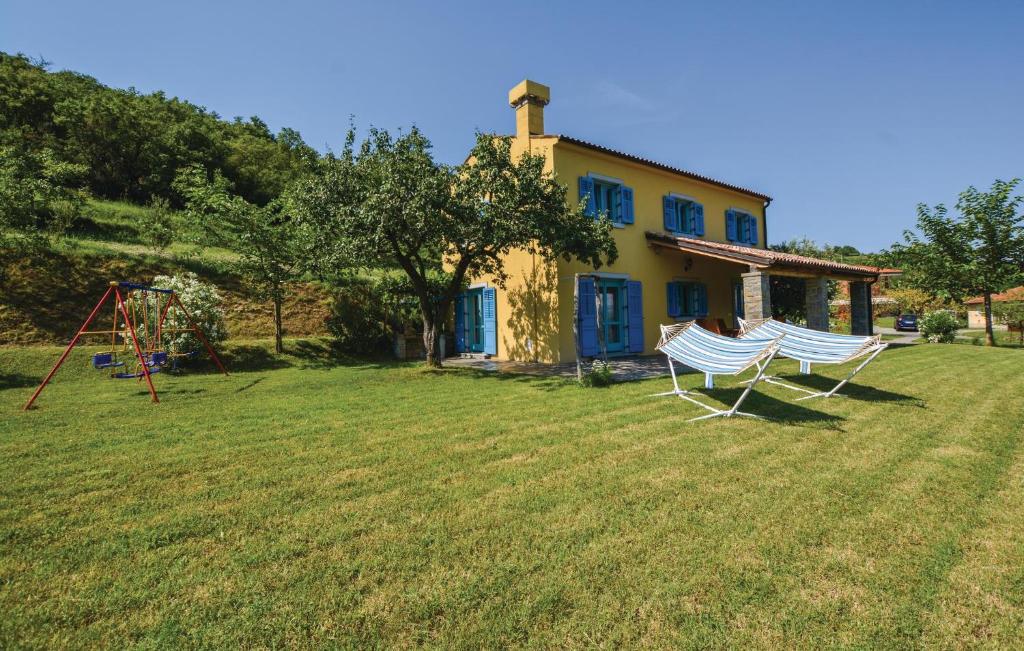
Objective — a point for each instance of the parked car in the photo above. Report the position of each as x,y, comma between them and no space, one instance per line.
906,322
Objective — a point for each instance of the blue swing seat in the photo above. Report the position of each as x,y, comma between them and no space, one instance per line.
127,376
104,360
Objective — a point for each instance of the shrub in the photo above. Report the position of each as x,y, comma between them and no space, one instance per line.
204,306
939,327
157,225
599,375
358,319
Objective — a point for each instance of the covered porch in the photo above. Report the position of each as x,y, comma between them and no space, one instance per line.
756,266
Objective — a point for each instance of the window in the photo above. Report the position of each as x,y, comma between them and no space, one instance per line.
741,227
687,299
607,197
683,215
607,200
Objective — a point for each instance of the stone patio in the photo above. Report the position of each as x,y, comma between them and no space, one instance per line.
624,369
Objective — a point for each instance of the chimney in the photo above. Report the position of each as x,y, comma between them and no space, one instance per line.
529,98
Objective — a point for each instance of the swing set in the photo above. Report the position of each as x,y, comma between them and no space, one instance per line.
140,313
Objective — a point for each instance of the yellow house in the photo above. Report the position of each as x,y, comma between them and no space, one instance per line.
690,247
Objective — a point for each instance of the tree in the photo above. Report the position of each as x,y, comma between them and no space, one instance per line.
158,225
389,204
263,236
1011,313
37,195
912,300
979,252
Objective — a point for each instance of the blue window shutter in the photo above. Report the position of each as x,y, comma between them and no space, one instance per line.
627,204
587,191
490,321
460,323
702,300
674,308
698,219
587,295
635,316
753,230
730,226
668,206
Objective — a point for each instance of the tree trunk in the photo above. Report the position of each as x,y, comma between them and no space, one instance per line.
430,342
990,336
575,327
278,330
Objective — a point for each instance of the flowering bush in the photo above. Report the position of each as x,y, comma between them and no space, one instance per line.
939,327
203,304
599,375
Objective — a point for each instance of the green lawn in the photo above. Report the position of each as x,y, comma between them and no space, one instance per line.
307,502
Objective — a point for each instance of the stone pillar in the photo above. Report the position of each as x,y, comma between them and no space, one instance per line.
860,308
757,296
816,303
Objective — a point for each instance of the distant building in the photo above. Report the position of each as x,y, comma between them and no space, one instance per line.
976,306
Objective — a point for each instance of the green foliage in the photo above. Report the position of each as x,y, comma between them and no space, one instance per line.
599,375
389,204
939,327
979,252
1011,314
912,300
359,317
157,225
37,195
264,237
131,145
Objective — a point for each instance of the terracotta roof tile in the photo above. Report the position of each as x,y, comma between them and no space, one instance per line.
1015,294
661,166
761,257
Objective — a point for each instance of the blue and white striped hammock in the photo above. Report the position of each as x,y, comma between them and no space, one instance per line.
702,350
813,347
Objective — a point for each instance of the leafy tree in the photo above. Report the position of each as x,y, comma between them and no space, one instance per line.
132,144
979,252
263,236
158,225
913,300
37,196
1011,313
389,204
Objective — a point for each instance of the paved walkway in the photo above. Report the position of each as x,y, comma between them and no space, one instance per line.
623,369
904,337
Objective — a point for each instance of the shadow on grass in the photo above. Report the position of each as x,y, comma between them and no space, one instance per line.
774,409
17,381
540,382
250,385
851,390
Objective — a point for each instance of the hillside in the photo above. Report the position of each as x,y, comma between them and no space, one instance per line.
45,299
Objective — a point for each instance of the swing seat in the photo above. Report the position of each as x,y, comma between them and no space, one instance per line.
131,376
104,360
157,359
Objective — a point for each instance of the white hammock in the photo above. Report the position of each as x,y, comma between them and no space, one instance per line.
814,347
693,346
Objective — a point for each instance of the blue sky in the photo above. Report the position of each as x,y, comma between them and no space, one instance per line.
848,114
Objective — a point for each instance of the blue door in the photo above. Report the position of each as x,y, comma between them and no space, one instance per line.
613,314
475,320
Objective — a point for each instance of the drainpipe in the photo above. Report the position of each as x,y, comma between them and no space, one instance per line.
765,213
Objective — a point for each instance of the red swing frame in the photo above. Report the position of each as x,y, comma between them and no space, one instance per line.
119,306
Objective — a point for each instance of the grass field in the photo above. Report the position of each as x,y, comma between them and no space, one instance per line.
306,501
